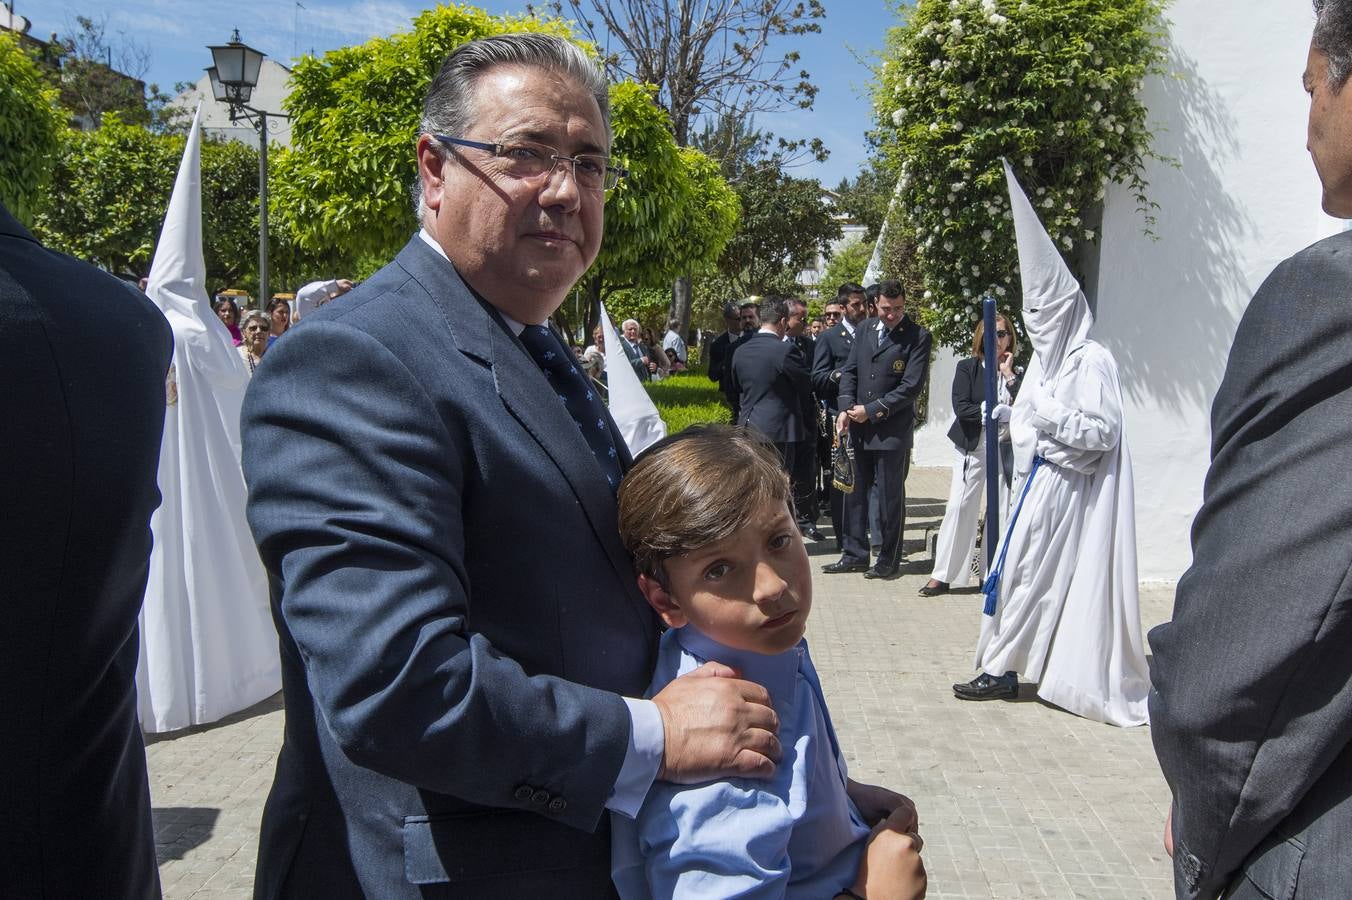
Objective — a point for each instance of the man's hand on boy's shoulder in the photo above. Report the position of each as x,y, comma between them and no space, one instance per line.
716,726
877,803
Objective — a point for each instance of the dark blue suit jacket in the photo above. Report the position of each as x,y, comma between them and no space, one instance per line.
774,388
886,380
458,617
829,356
83,410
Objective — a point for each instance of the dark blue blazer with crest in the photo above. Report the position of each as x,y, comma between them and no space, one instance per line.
458,617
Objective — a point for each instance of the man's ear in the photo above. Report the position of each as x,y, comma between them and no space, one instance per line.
662,601
430,163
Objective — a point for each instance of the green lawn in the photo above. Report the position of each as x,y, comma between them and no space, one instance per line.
687,398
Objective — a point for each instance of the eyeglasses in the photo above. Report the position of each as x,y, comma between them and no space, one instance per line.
1000,332
527,160
830,315
250,329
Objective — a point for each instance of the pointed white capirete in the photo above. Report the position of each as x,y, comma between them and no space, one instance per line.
873,272
1068,614
630,406
208,645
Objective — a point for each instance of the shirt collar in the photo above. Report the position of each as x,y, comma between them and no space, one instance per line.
430,241
777,673
843,321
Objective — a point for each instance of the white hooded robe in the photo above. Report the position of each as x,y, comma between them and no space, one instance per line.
1067,614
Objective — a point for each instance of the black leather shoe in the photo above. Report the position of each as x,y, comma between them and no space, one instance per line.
989,687
886,573
845,565
939,588
811,533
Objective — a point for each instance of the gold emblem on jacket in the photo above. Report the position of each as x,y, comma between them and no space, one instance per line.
898,366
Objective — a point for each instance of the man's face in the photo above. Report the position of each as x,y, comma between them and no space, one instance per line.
833,313
631,332
521,243
890,310
1329,138
732,323
855,308
797,320
751,591
750,319
816,328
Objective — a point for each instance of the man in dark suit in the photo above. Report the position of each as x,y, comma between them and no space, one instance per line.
750,322
829,356
772,382
720,349
432,490
878,388
635,350
80,456
805,466
1251,707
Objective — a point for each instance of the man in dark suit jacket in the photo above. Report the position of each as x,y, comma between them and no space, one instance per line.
829,356
635,350
432,491
83,369
878,389
773,384
1251,707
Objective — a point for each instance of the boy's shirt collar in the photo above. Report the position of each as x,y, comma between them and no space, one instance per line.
777,673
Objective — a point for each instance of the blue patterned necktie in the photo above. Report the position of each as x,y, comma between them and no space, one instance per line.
577,394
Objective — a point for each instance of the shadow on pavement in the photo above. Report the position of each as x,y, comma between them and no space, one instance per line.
179,829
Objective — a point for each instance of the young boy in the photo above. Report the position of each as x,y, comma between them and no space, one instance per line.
707,517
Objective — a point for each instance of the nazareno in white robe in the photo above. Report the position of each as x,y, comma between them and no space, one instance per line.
1068,612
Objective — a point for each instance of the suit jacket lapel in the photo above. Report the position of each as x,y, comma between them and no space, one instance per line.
480,332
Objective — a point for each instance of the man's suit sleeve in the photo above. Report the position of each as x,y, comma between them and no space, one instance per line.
717,355
823,375
796,371
1252,680
911,384
849,374
355,500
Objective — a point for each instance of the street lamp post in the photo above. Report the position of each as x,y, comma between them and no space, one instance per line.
233,78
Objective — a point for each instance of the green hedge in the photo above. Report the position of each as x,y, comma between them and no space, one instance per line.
687,398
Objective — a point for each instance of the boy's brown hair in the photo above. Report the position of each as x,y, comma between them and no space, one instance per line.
694,488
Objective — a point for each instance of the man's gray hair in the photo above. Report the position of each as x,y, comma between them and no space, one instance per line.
627,322
1333,38
449,106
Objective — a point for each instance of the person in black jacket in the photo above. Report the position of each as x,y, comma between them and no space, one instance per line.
80,454
966,496
773,386
878,388
829,355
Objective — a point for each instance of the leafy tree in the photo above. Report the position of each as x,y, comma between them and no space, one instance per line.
846,264
785,224
1053,86
342,187
115,186
30,130
866,198
713,58
96,75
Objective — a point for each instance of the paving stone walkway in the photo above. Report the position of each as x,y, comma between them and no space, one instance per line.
1017,799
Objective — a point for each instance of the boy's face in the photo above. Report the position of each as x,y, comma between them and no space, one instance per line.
752,591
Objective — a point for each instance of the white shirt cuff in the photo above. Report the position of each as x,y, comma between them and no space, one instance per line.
647,742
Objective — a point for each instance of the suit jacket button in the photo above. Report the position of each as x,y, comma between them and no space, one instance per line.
523,793
558,805
540,797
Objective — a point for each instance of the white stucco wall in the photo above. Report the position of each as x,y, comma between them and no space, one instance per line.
1243,197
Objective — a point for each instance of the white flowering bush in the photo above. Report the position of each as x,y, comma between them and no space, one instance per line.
1050,84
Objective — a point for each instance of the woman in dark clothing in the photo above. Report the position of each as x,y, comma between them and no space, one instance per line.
966,496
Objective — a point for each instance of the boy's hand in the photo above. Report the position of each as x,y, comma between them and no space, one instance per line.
877,803
716,726
891,868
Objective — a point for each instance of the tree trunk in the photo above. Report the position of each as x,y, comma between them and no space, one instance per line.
680,303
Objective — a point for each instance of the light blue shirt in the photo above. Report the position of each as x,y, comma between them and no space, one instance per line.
794,836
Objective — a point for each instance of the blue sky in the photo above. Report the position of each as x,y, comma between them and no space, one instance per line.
177,32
